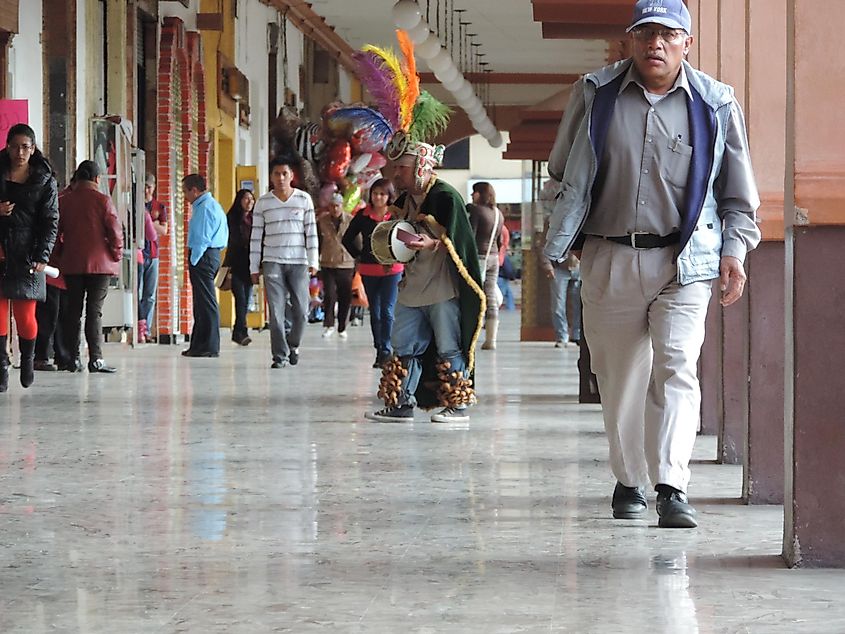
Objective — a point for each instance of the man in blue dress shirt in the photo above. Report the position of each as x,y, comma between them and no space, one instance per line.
208,233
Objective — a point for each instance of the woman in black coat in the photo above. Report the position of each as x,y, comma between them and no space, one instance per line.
239,220
29,218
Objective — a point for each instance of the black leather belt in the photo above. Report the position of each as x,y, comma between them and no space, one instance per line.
641,240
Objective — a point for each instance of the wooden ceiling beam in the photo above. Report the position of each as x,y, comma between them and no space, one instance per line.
557,31
314,26
583,11
555,79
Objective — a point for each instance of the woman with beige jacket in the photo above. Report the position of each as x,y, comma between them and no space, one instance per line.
337,267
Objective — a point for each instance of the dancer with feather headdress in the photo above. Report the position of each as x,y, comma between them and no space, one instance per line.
441,303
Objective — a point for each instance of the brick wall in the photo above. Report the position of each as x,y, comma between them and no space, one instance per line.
182,148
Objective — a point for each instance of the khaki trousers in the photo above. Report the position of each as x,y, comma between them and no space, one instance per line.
645,333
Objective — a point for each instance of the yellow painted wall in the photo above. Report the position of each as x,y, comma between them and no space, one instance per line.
221,126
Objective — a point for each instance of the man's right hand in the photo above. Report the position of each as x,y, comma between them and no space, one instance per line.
254,278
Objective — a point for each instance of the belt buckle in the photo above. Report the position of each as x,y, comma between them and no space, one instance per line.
634,239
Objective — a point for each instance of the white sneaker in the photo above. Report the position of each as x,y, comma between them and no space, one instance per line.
450,415
342,334
328,332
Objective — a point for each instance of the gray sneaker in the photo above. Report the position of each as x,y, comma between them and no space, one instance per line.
450,415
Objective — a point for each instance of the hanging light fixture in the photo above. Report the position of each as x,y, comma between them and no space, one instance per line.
408,17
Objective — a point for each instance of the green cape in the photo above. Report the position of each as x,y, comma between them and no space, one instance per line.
445,206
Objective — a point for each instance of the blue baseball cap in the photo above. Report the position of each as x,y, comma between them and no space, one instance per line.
671,13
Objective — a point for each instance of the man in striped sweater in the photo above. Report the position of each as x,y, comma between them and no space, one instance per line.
284,245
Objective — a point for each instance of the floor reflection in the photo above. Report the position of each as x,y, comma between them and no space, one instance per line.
215,495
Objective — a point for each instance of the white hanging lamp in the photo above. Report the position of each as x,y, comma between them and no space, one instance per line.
408,16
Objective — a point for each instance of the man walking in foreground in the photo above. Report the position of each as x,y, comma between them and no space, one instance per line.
658,199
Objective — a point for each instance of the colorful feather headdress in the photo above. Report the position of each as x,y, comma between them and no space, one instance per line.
416,116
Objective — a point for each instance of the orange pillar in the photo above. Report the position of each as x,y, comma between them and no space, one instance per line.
815,288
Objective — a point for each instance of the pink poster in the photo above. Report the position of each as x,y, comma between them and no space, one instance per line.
12,111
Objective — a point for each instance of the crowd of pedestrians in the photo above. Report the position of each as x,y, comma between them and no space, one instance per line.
76,236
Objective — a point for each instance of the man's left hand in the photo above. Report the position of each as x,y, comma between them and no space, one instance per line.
731,279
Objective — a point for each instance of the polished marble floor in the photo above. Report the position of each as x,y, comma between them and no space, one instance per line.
216,495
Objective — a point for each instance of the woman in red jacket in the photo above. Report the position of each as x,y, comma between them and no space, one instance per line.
90,249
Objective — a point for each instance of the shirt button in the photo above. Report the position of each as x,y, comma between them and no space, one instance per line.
645,171
651,110
650,140
642,202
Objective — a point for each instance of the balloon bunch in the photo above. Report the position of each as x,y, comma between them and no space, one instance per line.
346,147
295,139
343,150
353,158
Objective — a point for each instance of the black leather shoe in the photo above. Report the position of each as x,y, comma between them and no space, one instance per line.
674,509
70,366
98,365
293,356
628,502
194,353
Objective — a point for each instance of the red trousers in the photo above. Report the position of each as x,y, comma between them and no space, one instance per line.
24,311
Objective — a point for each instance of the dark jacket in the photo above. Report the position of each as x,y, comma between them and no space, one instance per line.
28,235
237,249
90,236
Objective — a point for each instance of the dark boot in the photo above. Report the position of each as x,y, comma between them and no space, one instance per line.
4,363
27,361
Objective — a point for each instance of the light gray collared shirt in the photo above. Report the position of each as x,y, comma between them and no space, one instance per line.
645,163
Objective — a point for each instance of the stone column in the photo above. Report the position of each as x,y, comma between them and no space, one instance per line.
710,370
732,19
763,473
59,42
815,288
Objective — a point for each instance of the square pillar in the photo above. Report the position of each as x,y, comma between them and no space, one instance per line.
763,477
710,370
734,428
815,289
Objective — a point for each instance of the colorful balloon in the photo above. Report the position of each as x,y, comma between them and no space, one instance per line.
359,162
309,142
377,161
337,160
351,199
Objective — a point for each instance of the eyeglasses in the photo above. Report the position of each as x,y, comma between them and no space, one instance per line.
14,147
670,36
